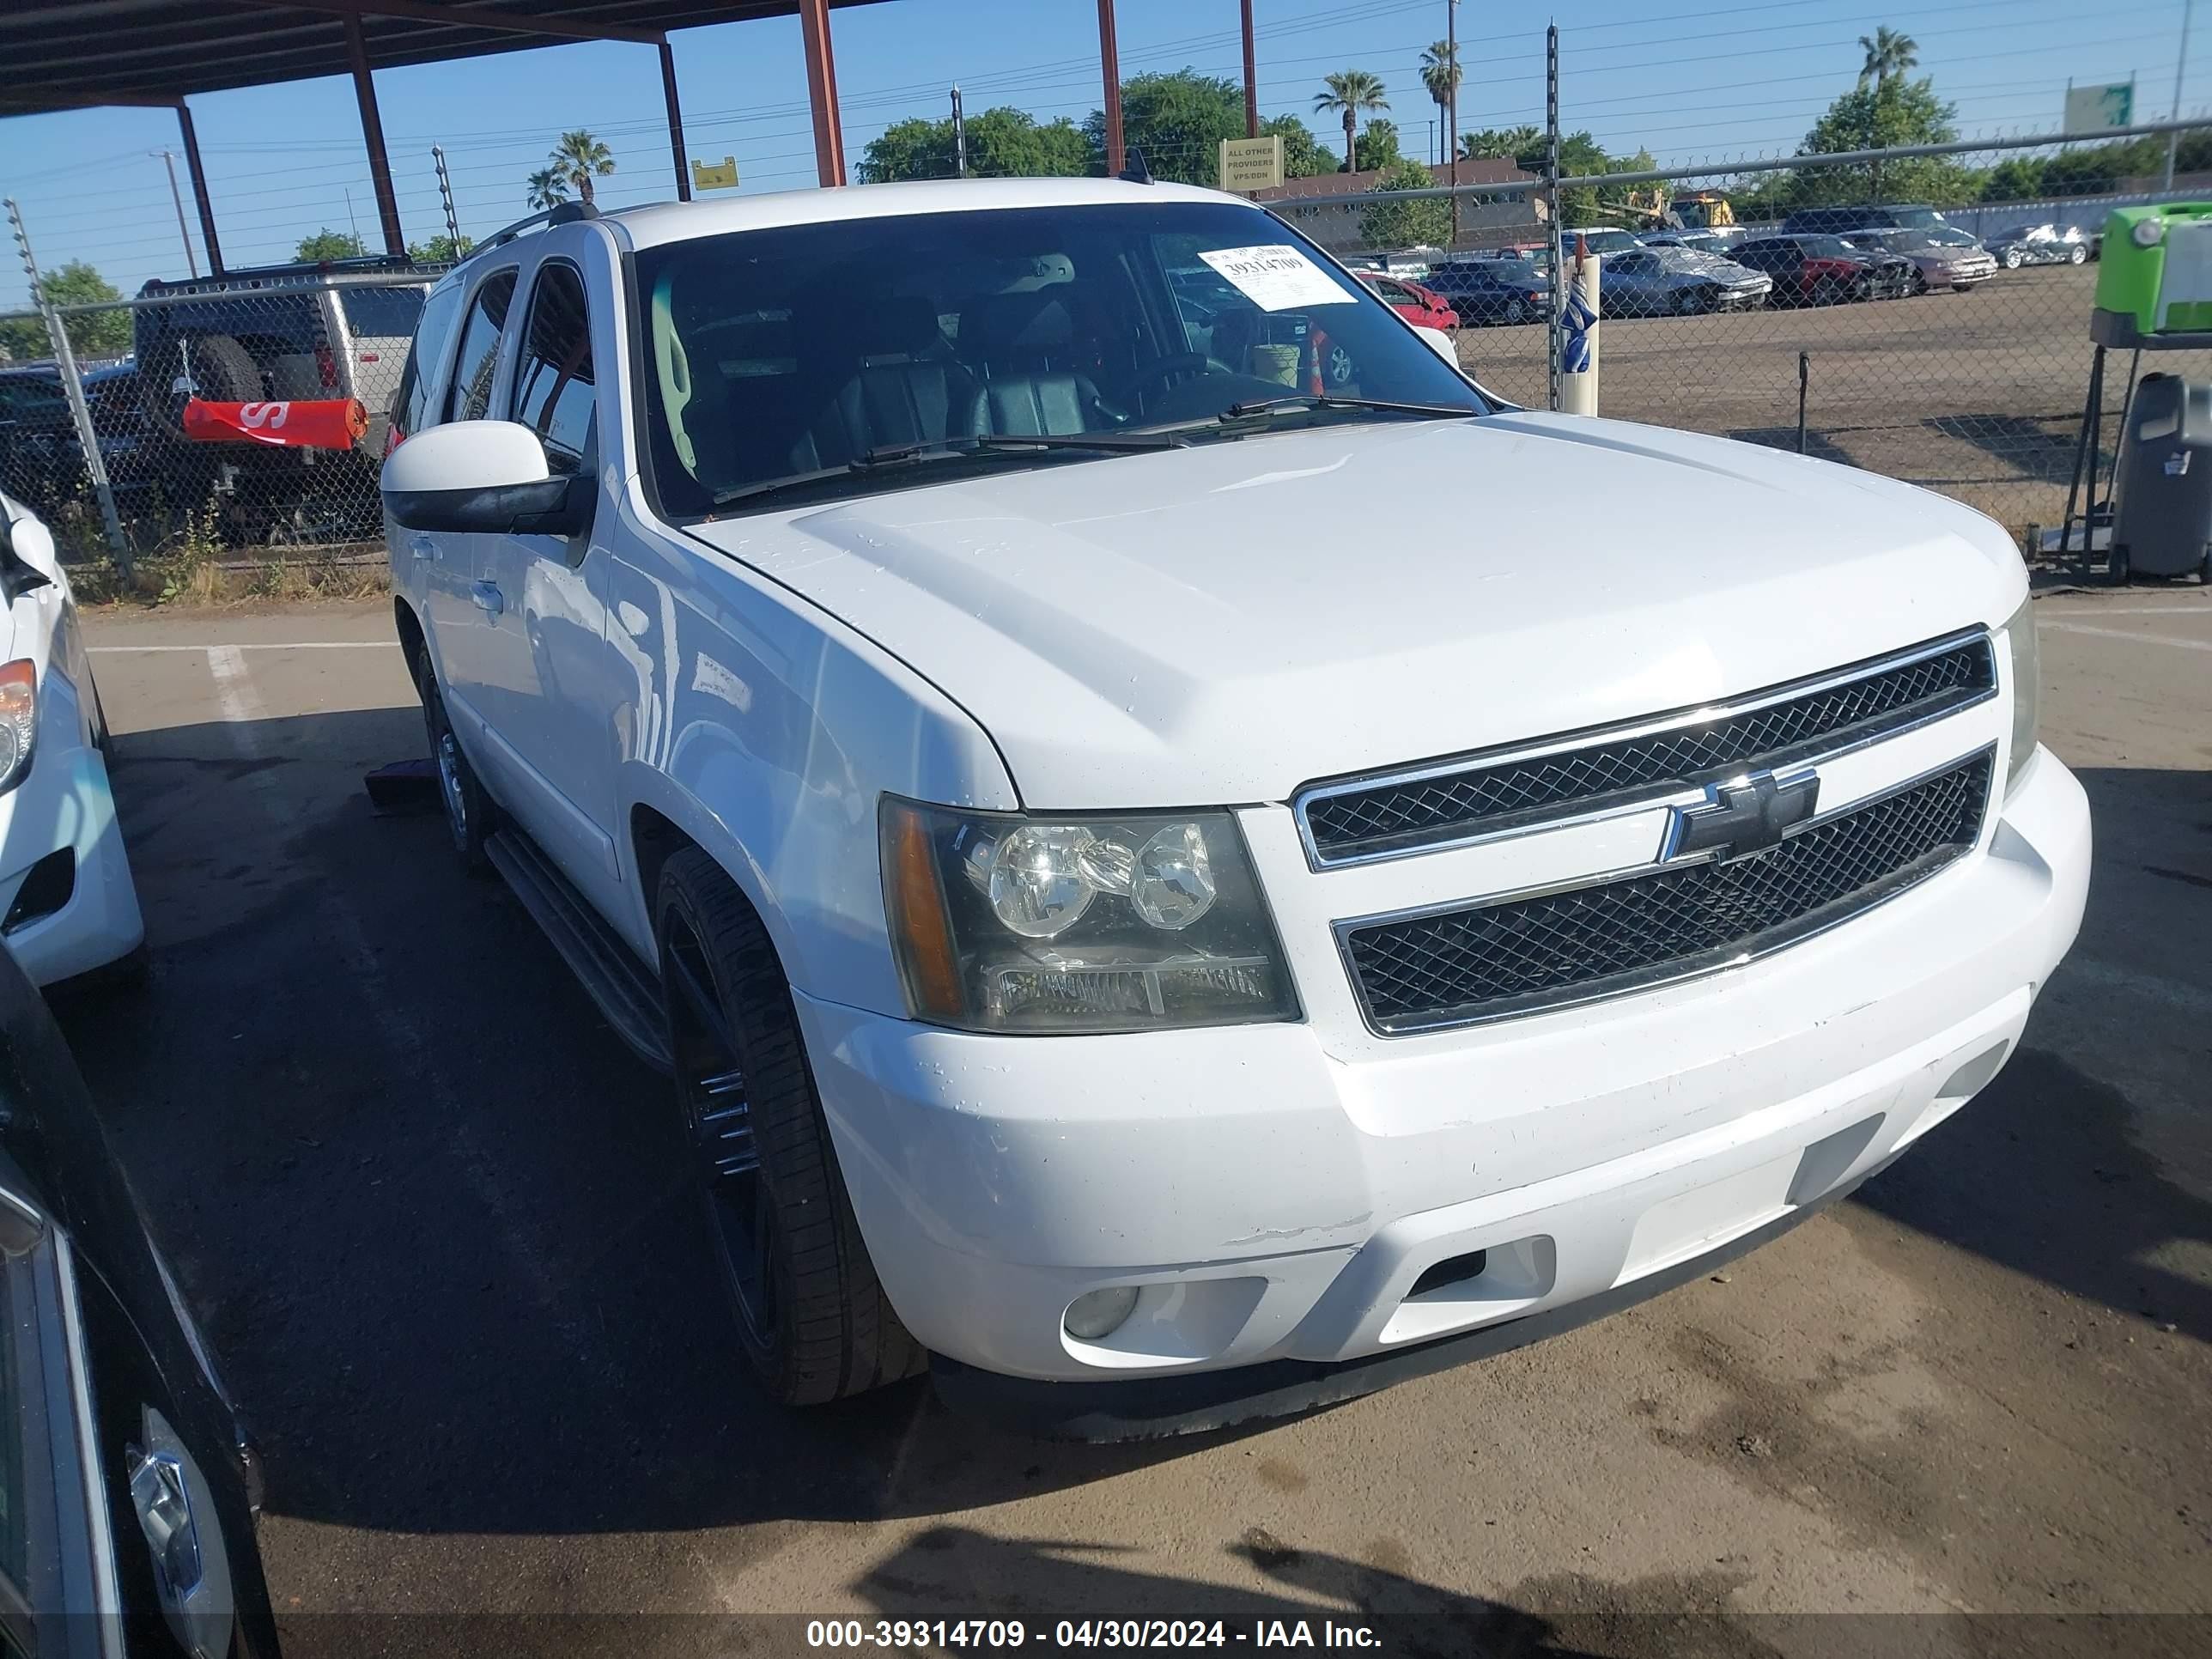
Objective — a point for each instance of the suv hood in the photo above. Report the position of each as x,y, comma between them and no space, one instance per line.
1219,624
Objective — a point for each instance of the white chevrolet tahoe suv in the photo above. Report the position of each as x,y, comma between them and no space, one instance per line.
1166,896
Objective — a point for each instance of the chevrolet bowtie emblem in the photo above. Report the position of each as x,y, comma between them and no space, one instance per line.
1745,815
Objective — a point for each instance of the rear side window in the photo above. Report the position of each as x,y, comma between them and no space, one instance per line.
434,338
469,398
381,313
554,394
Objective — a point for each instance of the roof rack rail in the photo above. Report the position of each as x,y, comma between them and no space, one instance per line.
567,213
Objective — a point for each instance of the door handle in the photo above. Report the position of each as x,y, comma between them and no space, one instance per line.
423,547
488,598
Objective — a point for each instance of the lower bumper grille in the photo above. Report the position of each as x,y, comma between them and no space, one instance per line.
1489,961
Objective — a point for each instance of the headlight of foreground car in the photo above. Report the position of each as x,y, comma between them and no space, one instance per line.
2027,687
1133,922
19,721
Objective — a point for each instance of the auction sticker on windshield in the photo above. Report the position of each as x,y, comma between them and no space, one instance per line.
1277,277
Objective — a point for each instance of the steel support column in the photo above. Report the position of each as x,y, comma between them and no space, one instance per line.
372,132
675,122
1109,61
192,140
822,90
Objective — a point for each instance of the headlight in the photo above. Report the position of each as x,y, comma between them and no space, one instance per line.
19,721
1133,922
2019,642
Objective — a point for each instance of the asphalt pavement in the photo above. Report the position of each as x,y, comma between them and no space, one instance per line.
433,1216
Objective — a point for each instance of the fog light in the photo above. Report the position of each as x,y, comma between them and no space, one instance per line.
1096,1314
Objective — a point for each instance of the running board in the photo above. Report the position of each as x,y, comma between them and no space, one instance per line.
611,972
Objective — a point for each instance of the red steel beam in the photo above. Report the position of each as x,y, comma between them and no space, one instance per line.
371,132
1109,61
822,90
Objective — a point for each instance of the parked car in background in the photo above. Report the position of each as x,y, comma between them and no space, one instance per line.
66,903
1698,242
1935,264
1654,282
1823,270
1412,300
1895,216
2039,244
1155,907
127,1485
41,461
1598,238
1481,291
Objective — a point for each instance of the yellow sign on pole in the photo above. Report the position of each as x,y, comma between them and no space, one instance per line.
705,176
1250,164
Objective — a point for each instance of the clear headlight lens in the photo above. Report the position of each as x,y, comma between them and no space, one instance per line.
1133,922
2027,689
19,719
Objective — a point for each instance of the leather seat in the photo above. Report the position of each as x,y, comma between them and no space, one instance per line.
1026,345
906,388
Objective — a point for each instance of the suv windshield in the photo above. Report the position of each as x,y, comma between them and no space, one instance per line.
799,350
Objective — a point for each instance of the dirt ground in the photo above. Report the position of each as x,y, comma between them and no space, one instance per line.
1978,395
432,1214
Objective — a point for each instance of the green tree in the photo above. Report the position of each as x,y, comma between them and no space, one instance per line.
1349,94
96,334
1303,155
441,250
2015,179
545,188
1879,117
578,158
1440,77
1421,223
328,244
1178,119
1002,143
1890,53
1376,148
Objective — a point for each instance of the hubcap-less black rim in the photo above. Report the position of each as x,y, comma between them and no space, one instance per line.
449,785
719,1118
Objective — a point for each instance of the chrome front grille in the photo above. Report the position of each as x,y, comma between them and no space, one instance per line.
1489,959
1450,803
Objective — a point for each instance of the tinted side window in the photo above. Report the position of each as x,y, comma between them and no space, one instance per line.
381,313
554,395
434,338
469,398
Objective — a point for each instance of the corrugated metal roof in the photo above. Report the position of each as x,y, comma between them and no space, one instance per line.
68,54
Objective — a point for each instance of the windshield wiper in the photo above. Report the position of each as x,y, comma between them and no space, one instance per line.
1302,401
931,449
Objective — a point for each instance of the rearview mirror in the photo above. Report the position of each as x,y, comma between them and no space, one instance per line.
483,476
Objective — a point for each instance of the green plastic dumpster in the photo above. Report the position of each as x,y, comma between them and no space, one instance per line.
2155,281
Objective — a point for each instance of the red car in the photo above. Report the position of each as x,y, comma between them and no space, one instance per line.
1410,300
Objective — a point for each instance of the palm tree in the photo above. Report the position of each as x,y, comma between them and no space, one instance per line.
1888,52
1351,92
1508,144
579,158
1440,75
547,188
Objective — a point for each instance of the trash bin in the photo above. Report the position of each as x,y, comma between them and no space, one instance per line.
2162,516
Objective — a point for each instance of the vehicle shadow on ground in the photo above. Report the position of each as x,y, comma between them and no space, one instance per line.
434,1218
2042,449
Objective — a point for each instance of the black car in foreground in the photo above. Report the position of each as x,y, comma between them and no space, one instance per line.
126,1489
1493,290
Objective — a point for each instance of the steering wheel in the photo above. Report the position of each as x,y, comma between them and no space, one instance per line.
1162,371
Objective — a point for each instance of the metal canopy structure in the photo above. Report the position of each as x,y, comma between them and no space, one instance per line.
79,54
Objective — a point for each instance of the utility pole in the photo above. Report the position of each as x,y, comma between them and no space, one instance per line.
2180,67
446,195
1451,115
88,440
169,158
1251,76
353,226
959,138
1109,64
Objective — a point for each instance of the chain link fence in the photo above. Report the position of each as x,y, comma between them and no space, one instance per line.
294,376
1883,309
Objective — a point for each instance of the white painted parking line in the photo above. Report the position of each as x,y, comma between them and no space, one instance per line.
2129,635
249,645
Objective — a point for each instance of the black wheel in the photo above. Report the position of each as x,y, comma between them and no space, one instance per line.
1826,292
1919,283
813,1320
2120,567
1516,312
471,818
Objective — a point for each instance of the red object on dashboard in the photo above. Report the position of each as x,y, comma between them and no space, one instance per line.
328,423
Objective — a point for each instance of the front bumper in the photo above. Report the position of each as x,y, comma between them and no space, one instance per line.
64,802
1276,1195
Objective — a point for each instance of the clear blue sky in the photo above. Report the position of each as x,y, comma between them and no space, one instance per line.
1688,79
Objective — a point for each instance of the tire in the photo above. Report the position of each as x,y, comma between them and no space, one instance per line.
2204,568
222,370
471,817
2012,258
811,1318
1689,302
2119,566
1919,283
1516,312
1339,369
1828,292
2077,255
